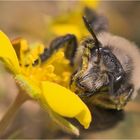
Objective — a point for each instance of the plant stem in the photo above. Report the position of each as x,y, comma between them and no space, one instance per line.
9,115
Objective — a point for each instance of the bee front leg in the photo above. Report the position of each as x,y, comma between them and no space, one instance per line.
128,93
85,94
69,42
89,94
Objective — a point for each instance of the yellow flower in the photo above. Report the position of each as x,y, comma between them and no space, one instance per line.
45,83
68,23
71,22
90,3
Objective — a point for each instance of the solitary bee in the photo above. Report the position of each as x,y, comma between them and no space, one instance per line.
106,66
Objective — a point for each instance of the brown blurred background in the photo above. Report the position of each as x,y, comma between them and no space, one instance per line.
29,20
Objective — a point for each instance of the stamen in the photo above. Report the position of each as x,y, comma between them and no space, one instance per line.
55,69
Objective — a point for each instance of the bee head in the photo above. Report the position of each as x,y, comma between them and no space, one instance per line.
99,67
89,76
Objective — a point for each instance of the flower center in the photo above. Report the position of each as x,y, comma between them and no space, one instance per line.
55,69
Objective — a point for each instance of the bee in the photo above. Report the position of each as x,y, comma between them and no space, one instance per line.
106,66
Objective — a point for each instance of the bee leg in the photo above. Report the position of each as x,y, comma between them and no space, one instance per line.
89,94
86,94
129,90
130,94
69,42
124,95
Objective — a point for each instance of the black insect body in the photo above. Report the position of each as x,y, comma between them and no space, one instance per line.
106,66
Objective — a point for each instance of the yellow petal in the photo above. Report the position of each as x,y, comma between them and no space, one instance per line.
29,85
63,29
62,122
66,103
90,3
8,54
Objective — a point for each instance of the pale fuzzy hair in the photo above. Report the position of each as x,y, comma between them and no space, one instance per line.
124,50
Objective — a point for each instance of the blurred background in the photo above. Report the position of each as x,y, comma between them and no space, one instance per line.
42,21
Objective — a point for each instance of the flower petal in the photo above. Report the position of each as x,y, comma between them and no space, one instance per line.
29,85
62,29
62,122
90,3
66,103
8,54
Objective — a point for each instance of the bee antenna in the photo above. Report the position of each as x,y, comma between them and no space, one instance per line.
90,29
